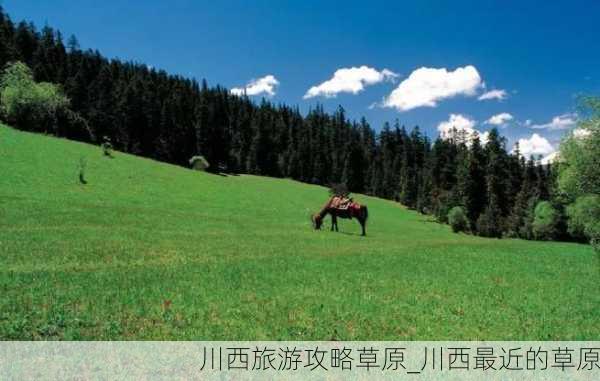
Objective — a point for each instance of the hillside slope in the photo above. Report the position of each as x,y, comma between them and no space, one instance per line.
148,250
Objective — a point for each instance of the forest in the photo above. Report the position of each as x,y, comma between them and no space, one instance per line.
478,187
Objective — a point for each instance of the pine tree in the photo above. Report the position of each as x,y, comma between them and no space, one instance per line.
8,51
26,42
491,222
474,193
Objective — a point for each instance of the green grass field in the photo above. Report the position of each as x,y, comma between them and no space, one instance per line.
148,250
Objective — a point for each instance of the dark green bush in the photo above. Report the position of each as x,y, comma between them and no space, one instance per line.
457,218
545,221
199,163
107,147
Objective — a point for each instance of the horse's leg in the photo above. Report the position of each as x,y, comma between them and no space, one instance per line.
363,221
333,221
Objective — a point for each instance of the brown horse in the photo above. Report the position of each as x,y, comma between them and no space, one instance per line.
352,210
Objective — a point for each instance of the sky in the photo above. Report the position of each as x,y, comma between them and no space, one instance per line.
514,65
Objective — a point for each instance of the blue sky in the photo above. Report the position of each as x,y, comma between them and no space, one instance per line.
540,54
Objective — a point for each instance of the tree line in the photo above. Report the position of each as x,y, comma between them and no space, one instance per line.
170,118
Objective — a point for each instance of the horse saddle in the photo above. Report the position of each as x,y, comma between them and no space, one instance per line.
341,203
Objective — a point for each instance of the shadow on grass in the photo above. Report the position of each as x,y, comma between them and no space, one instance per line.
222,174
348,233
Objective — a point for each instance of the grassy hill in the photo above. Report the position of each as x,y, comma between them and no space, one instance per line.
148,250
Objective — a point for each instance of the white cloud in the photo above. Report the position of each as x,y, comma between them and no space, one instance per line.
459,123
536,145
493,94
350,80
484,137
552,158
264,85
499,119
425,87
580,133
560,122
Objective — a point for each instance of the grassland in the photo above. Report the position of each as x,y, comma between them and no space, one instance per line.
148,250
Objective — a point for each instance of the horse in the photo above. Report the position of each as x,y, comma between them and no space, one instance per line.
353,210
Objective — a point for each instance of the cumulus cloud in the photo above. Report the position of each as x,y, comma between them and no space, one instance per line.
425,87
350,80
264,85
536,145
580,133
560,122
499,119
552,158
457,124
493,94
484,137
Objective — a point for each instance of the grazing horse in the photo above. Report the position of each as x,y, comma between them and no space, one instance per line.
335,208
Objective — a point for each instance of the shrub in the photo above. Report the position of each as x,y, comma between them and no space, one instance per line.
545,221
584,217
82,166
107,147
594,233
199,163
457,218
27,104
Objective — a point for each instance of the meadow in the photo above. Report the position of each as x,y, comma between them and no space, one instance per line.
147,250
